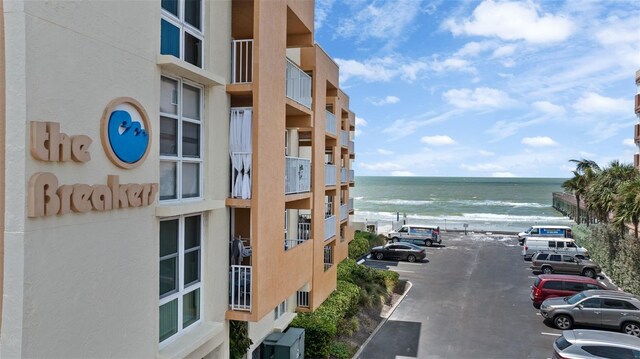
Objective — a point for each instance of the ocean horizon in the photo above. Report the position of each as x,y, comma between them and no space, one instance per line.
483,203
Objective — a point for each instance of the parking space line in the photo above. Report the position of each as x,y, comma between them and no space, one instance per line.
400,270
530,277
538,313
409,263
552,334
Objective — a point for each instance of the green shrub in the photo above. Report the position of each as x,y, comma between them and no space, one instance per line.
239,341
342,350
358,247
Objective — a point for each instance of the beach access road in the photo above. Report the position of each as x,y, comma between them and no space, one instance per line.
469,300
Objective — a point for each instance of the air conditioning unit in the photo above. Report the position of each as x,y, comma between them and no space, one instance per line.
287,345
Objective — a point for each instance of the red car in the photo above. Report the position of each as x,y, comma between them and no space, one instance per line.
559,285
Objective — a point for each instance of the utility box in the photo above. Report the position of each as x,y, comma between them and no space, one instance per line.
287,345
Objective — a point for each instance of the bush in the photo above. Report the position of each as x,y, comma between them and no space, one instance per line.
239,341
342,350
373,282
358,247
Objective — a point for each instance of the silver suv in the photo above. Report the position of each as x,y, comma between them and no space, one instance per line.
601,308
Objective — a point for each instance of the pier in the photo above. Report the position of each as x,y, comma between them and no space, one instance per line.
565,203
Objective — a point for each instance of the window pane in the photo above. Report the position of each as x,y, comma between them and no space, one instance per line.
168,177
190,140
191,102
191,267
168,275
168,134
191,232
169,96
192,47
169,39
190,180
190,308
168,319
171,6
168,237
192,13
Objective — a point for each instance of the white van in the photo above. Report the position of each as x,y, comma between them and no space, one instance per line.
418,234
546,231
555,245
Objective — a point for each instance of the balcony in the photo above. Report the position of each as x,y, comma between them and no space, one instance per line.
304,234
350,205
329,227
352,175
343,212
240,152
328,257
352,147
344,138
330,175
242,61
240,288
332,124
344,175
298,85
298,175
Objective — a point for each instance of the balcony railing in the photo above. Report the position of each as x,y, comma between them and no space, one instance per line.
298,85
344,175
352,147
329,227
240,287
350,204
298,175
304,234
352,175
328,257
332,123
330,175
241,61
343,212
344,138
302,299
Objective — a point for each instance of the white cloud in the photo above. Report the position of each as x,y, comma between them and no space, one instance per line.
502,174
452,64
384,152
483,167
618,31
486,153
402,173
386,101
404,127
502,51
503,129
381,166
381,69
360,122
481,97
438,140
549,108
629,142
323,7
473,48
539,141
604,130
592,102
513,21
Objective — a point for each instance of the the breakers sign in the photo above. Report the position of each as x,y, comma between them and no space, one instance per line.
126,139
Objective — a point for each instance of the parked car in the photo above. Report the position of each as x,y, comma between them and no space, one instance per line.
400,251
549,263
560,285
587,344
426,234
555,245
598,308
547,230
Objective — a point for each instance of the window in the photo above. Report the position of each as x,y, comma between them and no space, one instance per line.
554,258
280,309
571,245
403,230
534,231
573,286
613,304
542,256
180,274
609,352
592,286
180,140
181,33
552,244
553,285
568,259
592,303
559,244
629,306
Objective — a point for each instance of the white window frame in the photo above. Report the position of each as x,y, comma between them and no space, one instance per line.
179,294
179,159
179,22
280,309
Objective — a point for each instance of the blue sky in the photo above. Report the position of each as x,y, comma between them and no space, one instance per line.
485,88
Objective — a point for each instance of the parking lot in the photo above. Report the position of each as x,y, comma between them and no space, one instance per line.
469,300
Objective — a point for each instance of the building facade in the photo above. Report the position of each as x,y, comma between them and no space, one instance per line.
636,136
151,194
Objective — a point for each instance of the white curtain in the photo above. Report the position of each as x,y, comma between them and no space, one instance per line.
240,152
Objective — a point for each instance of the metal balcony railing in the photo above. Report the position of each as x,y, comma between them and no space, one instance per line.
330,175
329,227
298,85
304,234
350,204
351,147
332,126
241,61
343,212
328,257
298,175
240,287
352,175
302,299
344,138
344,175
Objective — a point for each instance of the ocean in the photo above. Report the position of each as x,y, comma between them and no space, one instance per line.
484,204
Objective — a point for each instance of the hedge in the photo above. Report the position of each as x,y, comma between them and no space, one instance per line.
358,247
618,255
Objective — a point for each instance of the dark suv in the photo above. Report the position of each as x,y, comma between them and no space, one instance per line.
560,285
549,263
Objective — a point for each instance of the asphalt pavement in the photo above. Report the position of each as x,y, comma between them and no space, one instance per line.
469,300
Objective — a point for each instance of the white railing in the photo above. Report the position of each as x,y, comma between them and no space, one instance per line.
290,243
343,212
303,299
350,204
304,231
352,175
330,175
328,257
344,138
241,61
329,227
298,175
344,175
298,85
351,147
240,287
332,126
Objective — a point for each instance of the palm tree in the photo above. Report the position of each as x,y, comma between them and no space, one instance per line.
584,165
627,209
572,185
601,196
584,175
